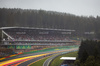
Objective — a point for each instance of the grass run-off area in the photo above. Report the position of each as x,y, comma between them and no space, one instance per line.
40,62
56,61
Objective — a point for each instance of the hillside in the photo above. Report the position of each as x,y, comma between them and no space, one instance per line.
49,19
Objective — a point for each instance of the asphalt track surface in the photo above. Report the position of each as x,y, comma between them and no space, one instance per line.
30,61
25,60
49,60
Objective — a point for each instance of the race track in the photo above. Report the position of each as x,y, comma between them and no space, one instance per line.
25,60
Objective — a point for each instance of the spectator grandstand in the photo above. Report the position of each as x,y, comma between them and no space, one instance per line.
27,38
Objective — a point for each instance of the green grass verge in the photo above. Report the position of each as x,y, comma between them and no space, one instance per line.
57,61
40,63
52,49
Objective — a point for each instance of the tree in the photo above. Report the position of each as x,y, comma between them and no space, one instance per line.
89,54
50,19
90,61
96,53
84,56
77,62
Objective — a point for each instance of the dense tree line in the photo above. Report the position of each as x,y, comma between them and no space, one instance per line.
89,53
49,19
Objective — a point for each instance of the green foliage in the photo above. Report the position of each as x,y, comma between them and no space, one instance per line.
90,47
57,61
84,57
96,52
89,54
77,62
49,19
40,62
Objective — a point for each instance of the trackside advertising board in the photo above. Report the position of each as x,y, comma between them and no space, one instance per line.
23,47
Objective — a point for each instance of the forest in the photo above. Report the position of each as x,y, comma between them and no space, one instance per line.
49,19
89,54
